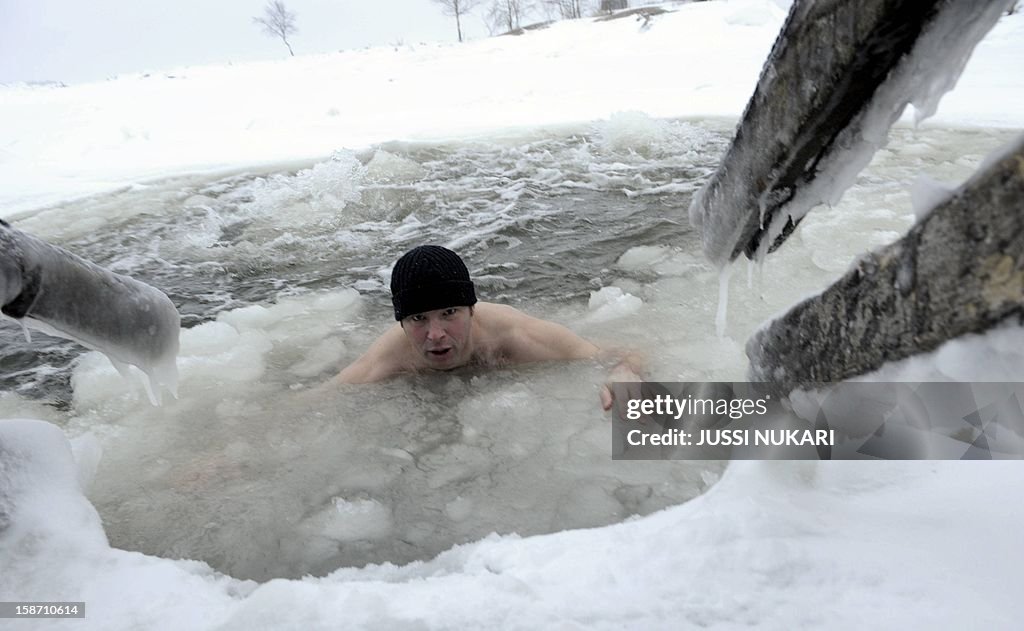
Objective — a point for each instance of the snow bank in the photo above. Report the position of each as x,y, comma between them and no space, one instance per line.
779,545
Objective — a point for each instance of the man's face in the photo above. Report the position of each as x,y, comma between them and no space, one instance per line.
441,336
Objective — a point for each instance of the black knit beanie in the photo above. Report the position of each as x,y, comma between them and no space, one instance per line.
430,277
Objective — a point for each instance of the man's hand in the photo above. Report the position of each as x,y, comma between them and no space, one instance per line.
626,372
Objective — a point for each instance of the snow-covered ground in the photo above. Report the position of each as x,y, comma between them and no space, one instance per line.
699,61
777,545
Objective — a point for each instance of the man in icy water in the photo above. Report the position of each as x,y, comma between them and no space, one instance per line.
441,326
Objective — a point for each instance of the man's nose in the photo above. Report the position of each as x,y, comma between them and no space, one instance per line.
435,330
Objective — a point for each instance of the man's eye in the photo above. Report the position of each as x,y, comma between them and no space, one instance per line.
449,312
416,318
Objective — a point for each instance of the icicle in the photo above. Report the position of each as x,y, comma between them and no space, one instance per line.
121,367
723,300
760,275
152,389
152,386
25,331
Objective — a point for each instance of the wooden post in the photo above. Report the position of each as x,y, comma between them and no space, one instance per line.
839,74
959,270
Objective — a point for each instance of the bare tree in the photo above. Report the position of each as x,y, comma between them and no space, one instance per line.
457,9
278,21
568,9
609,6
506,15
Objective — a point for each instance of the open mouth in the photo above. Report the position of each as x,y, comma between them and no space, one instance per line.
439,353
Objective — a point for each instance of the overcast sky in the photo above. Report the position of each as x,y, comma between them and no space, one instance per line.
85,40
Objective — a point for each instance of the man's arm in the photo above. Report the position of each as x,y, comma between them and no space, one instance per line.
541,340
379,362
533,339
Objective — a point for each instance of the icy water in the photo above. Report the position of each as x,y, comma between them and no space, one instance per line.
263,471
537,219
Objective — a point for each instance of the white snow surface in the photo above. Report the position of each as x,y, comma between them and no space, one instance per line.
772,544
698,61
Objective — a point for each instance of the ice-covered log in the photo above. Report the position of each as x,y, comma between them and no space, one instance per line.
59,293
839,74
959,270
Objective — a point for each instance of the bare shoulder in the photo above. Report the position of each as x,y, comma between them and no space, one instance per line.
499,315
525,338
385,358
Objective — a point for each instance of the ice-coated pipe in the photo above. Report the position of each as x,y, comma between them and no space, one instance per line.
59,293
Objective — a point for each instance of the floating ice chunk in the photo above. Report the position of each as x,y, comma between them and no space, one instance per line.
339,304
52,290
217,351
237,347
211,353
297,322
255,316
351,520
459,509
609,303
368,284
319,358
643,257
343,300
